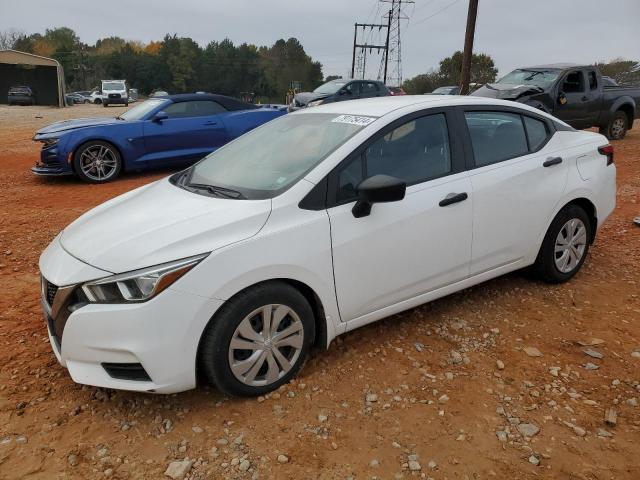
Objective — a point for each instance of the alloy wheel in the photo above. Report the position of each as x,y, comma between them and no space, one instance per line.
617,127
570,245
98,162
266,345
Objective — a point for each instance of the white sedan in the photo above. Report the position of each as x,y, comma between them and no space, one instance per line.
312,225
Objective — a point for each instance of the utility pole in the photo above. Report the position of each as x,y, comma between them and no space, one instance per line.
386,44
363,47
465,74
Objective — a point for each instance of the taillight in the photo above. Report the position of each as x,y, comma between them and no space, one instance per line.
607,150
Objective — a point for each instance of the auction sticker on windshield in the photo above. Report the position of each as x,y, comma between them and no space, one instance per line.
354,120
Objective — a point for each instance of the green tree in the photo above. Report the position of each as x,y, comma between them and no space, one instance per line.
483,69
423,83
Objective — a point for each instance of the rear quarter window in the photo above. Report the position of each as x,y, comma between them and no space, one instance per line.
536,132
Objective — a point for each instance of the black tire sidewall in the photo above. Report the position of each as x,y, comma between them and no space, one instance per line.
545,263
214,347
616,116
78,153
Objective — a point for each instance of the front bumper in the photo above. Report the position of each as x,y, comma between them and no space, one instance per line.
54,161
160,336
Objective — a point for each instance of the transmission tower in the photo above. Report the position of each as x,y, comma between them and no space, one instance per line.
359,62
396,16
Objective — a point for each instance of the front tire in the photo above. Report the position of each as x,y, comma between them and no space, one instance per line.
617,127
105,104
565,246
258,341
97,162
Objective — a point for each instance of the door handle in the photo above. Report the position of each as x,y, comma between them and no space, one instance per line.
585,98
453,198
551,161
211,122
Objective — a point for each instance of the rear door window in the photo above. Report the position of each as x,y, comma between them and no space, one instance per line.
496,136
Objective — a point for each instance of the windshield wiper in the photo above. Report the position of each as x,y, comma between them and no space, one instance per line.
216,190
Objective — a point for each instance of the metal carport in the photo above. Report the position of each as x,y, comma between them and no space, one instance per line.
44,75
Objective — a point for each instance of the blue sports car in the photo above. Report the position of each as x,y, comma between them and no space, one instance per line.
176,130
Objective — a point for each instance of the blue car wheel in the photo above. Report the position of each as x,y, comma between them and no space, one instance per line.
97,162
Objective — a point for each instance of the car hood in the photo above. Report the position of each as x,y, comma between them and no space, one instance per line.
506,91
159,223
76,123
305,97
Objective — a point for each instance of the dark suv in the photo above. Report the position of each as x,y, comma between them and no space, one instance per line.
21,95
339,90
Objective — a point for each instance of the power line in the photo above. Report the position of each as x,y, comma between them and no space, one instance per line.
436,13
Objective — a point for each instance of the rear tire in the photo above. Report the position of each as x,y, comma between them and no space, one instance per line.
617,127
275,352
97,162
105,104
565,246
97,101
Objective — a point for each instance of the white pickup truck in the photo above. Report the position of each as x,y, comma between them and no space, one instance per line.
113,92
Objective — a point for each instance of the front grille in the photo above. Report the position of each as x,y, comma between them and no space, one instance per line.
49,291
114,95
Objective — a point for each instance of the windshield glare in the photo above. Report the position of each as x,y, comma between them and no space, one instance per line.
266,161
330,87
141,110
541,78
113,86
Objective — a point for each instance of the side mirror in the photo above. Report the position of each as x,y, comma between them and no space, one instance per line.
377,189
160,116
345,92
562,98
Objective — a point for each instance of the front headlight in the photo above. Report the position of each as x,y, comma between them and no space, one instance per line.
139,285
315,103
49,142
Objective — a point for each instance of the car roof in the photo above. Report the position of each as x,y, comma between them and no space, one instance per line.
381,106
555,66
227,102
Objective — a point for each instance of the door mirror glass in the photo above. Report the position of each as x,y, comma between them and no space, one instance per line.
344,92
378,189
160,116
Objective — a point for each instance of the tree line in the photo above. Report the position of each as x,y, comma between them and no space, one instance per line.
176,64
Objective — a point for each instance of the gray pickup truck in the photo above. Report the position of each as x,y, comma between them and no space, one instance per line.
576,94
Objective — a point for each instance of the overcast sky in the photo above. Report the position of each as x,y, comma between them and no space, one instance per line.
514,32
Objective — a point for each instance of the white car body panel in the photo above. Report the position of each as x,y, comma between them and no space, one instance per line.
403,254
170,223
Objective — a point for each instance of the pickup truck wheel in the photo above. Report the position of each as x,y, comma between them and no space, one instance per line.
617,128
97,162
105,104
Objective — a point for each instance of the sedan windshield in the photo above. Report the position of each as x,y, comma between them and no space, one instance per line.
541,78
330,87
141,110
266,161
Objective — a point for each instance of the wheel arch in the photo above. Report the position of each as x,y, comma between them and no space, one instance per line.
590,209
84,141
